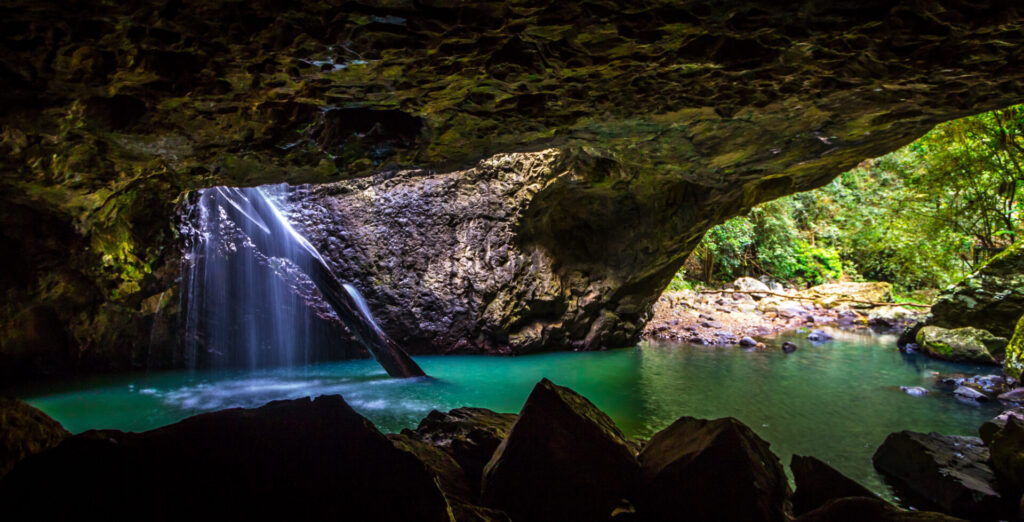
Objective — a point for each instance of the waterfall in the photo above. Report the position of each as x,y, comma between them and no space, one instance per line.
256,293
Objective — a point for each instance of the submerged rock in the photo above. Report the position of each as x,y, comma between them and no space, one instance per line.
298,458
819,336
949,472
965,344
563,459
818,483
25,431
719,469
916,391
468,435
861,509
788,347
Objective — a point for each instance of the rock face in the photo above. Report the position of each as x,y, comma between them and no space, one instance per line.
668,119
288,458
992,298
710,470
563,459
946,471
25,431
818,483
965,344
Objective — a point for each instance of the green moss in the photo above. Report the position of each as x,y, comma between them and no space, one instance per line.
1013,365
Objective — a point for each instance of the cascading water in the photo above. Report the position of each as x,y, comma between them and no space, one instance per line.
256,293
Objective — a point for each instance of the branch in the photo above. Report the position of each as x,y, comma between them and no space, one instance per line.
819,296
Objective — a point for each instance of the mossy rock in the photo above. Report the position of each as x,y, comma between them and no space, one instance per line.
961,344
1013,365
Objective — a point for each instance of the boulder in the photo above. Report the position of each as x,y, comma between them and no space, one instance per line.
944,471
860,509
817,483
966,392
909,336
992,298
710,470
891,317
25,431
1006,447
563,459
296,459
965,344
988,430
748,342
468,435
1013,395
749,284
876,292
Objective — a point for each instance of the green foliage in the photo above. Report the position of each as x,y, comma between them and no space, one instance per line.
921,217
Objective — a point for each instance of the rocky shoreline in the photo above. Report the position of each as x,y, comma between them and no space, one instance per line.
559,458
752,309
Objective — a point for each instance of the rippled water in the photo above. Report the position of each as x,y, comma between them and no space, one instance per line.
836,401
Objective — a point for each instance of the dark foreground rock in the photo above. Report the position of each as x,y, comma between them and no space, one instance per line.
461,494
290,459
710,470
988,430
1006,446
563,459
861,509
25,431
818,483
468,435
949,472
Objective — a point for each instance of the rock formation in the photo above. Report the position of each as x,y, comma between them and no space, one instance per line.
25,431
992,298
667,119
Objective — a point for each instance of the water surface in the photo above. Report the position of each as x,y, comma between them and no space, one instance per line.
837,400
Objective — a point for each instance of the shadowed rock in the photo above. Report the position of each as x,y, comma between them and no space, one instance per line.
299,458
25,431
988,430
468,435
949,472
563,459
718,469
1006,447
818,483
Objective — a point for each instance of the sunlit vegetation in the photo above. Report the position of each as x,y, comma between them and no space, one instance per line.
921,217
